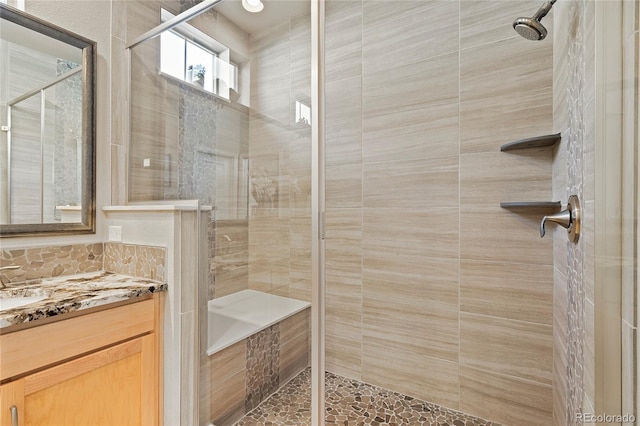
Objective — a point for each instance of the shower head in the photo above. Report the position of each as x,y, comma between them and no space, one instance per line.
531,28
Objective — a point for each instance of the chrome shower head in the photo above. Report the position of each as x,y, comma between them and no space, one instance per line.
532,28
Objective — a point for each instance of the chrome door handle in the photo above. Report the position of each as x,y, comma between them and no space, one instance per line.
563,219
569,219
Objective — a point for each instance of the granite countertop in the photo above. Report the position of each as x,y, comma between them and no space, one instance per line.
74,293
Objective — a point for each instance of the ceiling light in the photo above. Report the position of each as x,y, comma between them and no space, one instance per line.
253,6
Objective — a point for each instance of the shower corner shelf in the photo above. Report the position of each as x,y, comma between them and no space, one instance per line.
536,142
531,205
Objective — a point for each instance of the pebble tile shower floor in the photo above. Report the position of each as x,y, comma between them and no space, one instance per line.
352,403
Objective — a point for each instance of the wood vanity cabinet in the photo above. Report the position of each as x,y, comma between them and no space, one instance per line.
96,369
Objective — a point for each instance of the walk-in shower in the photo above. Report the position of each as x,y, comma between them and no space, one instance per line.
355,178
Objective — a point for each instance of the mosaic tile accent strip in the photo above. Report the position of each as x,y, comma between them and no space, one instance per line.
263,366
197,145
197,157
349,403
52,261
575,282
212,231
188,4
138,261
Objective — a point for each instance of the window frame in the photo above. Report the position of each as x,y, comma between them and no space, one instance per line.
186,38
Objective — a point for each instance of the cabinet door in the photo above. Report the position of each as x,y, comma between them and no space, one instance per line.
12,398
115,386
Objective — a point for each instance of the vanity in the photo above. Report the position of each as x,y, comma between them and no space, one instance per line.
91,332
88,353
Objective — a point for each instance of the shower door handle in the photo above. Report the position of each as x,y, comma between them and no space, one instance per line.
569,219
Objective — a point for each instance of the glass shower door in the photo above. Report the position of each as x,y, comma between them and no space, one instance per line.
221,113
277,251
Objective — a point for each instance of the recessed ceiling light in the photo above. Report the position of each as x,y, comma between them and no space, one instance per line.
253,6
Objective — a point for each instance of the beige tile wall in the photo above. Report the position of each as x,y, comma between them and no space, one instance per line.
432,289
232,257
280,161
151,107
227,381
295,345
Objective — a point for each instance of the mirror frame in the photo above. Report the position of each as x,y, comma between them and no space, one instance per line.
88,215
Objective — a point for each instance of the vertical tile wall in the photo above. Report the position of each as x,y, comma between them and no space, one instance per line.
155,109
433,290
280,160
150,106
232,226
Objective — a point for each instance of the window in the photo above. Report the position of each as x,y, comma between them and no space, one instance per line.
200,69
172,54
183,58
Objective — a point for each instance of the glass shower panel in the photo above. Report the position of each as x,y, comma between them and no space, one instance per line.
241,143
154,127
262,258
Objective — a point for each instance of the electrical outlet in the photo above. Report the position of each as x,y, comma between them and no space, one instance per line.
115,233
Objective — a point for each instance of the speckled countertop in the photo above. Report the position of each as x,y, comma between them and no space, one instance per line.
74,293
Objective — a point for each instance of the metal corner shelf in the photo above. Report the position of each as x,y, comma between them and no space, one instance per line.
531,205
535,142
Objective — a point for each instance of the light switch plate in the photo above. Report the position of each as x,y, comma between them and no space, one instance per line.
115,233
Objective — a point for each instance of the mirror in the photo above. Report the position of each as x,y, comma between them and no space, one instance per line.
47,138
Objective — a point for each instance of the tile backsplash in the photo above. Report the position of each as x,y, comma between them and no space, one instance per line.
136,260
52,261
